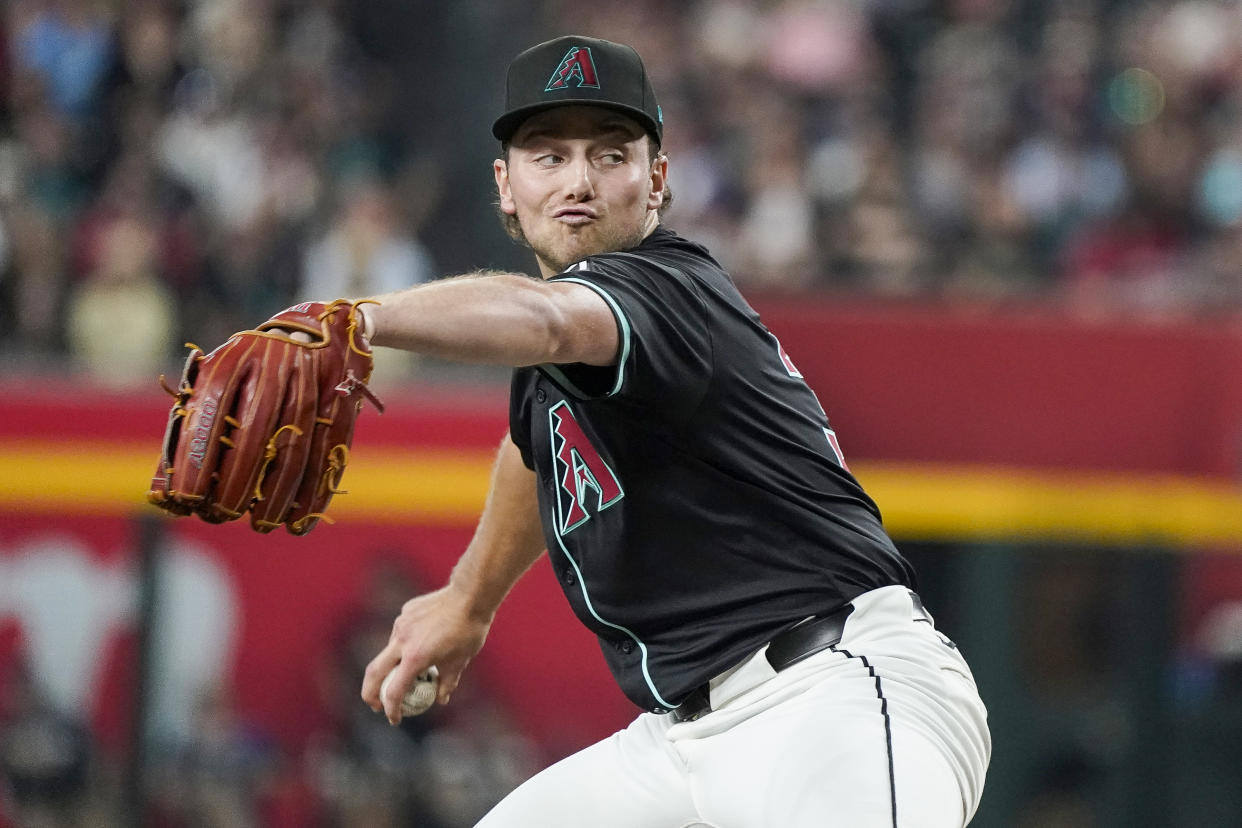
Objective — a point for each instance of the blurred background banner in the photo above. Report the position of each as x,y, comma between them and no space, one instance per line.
1002,239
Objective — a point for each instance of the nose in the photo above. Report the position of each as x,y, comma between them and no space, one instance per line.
580,185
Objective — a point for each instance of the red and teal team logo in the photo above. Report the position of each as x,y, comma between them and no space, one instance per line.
587,484
578,66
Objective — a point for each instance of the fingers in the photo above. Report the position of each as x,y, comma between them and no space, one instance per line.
377,670
448,683
296,336
431,629
402,677
384,695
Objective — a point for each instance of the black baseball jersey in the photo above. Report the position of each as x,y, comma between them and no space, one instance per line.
693,496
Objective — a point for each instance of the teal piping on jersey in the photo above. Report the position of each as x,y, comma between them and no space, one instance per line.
586,597
622,322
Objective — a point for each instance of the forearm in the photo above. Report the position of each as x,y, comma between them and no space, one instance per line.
447,627
508,539
495,318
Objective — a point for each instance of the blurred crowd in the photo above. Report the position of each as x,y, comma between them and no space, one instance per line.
1073,150
180,169
175,170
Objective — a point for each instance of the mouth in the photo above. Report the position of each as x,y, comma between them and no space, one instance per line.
575,216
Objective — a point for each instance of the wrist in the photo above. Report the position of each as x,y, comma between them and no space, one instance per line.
472,596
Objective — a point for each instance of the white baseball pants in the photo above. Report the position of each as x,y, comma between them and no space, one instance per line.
885,729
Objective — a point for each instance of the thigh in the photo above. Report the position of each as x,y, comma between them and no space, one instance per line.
827,753
630,780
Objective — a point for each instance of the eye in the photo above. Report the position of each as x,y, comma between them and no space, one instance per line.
612,158
548,160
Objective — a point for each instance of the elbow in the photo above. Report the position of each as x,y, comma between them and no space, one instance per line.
585,344
576,326
561,340
543,332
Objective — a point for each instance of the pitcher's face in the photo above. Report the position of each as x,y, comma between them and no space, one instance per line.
581,181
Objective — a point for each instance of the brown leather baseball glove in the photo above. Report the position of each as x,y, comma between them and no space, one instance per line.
263,424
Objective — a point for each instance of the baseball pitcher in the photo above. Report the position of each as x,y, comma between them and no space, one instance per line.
688,489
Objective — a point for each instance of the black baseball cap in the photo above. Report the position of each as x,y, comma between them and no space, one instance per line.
578,70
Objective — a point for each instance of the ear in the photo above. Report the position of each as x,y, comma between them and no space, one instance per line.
501,170
659,181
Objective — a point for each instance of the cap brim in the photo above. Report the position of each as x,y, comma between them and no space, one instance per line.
507,124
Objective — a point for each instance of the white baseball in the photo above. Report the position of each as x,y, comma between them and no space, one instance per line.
421,695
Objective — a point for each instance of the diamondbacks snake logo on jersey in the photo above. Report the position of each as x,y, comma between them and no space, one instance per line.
580,468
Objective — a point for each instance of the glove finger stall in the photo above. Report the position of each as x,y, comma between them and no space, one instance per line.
343,368
163,488
198,450
288,448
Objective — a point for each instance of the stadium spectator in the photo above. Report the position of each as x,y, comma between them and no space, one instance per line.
367,251
120,321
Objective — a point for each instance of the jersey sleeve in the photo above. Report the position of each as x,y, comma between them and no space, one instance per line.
665,353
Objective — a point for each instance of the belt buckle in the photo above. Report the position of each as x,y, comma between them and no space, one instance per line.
695,706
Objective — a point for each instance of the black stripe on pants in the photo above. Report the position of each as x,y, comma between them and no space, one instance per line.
888,728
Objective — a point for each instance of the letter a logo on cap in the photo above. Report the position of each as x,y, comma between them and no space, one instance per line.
577,64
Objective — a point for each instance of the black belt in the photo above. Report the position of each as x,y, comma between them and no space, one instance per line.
785,650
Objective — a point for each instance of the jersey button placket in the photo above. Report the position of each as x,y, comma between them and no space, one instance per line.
541,396
568,577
